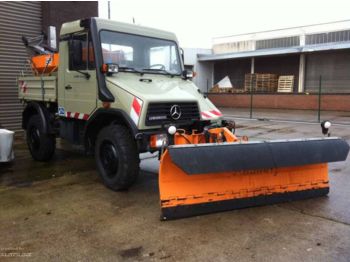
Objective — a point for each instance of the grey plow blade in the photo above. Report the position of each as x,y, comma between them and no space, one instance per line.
225,157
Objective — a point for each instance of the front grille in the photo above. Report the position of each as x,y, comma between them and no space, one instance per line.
159,113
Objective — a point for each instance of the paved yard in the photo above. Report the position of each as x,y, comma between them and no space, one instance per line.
60,211
340,117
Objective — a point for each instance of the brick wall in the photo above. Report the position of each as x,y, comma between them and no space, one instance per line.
332,102
56,13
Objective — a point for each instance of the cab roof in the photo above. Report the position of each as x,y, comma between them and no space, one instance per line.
105,24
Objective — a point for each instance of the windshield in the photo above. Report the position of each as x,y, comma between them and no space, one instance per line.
140,53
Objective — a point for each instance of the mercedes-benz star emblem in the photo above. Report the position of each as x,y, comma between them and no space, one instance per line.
175,112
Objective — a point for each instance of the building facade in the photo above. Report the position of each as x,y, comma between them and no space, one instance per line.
204,71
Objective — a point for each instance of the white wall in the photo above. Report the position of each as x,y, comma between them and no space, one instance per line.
204,70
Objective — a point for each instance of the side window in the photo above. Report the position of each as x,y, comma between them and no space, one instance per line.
78,52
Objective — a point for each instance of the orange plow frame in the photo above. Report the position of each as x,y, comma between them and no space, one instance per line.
183,194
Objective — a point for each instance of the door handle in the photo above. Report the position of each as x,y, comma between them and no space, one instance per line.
68,87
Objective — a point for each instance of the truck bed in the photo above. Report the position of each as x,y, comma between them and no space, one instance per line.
37,88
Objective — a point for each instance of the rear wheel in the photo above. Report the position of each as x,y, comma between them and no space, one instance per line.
117,157
41,145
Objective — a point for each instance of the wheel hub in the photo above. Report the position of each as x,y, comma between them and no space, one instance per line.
109,158
34,138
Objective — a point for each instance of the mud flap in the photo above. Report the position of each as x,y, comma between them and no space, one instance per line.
207,178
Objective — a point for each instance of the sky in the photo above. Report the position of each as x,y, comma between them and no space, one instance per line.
196,22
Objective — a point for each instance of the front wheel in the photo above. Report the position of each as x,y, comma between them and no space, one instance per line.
117,157
41,145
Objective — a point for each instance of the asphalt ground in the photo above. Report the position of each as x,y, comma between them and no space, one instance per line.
60,211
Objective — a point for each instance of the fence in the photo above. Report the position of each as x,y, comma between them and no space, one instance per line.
323,99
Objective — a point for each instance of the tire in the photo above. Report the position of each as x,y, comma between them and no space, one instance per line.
117,157
41,146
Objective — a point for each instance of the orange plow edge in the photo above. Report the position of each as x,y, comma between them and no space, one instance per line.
197,179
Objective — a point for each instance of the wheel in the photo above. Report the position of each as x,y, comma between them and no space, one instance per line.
41,146
117,157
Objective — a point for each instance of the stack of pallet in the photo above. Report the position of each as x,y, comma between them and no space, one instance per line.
285,84
217,89
260,82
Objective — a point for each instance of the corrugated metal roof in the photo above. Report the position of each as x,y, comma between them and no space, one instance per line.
274,51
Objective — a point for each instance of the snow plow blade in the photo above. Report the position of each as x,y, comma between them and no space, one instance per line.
198,179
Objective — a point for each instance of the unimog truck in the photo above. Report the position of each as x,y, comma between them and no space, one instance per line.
121,90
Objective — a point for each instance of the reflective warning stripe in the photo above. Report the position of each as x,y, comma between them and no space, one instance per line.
23,86
135,111
75,115
211,114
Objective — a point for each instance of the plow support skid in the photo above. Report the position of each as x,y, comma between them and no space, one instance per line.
206,178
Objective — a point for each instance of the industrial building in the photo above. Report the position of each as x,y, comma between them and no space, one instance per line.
29,19
306,53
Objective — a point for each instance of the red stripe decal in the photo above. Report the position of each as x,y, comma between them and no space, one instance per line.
24,86
205,115
86,116
216,112
76,115
136,106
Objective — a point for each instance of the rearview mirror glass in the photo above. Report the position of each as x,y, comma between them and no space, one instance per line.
52,40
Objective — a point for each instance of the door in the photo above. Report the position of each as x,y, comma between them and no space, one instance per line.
80,84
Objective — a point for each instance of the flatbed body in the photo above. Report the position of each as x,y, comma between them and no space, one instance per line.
37,88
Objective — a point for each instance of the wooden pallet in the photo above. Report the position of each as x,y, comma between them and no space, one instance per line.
285,84
261,82
217,89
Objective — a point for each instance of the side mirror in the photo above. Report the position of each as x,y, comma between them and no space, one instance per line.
187,74
52,39
75,53
182,55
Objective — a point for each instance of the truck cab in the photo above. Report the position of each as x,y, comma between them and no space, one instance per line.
135,72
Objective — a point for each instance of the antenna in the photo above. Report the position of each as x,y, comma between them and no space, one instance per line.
109,9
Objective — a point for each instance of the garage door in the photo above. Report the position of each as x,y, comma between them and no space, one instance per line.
334,67
16,19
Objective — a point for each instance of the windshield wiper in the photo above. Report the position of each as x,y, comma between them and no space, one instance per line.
159,70
130,69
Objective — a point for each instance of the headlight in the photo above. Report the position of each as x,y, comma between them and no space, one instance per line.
110,69
158,141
